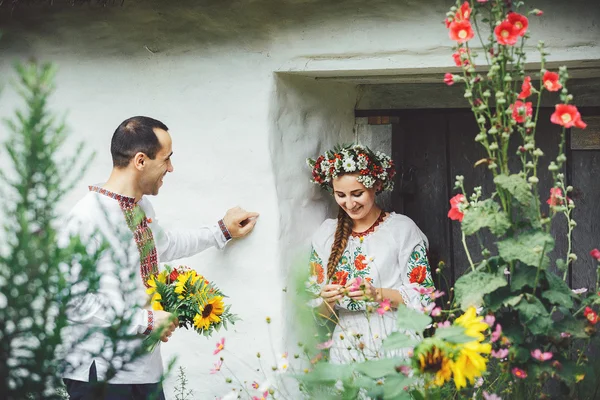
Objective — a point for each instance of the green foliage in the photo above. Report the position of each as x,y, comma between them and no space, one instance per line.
412,320
516,186
471,288
40,278
530,248
181,390
485,214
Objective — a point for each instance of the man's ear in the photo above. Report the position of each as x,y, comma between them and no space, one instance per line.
139,161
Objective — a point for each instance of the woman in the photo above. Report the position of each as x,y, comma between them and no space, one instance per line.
374,260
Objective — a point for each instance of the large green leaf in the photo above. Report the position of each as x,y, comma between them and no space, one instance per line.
523,275
527,247
517,186
379,368
412,320
326,373
485,214
399,340
534,315
556,297
471,288
393,387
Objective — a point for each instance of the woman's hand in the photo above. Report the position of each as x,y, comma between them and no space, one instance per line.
361,289
331,293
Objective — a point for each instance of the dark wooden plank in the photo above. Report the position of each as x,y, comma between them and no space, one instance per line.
423,188
586,167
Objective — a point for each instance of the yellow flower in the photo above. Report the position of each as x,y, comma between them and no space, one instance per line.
156,302
474,325
470,363
184,283
152,289
435,361
210,313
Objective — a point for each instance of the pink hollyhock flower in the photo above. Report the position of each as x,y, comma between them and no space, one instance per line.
405,369
520,111
436,312
538,12
384,307
489,319
519,22
540,355
325,345
355,287
220,346
551,82
449,79
596,254
464,12
461,31
519,373
555,198
565,335
455,213
437,294
590,315
217,367
501,353
496,334
579,291
461,57
506,33
525,88
568,116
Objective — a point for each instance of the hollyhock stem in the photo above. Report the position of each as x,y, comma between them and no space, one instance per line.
537,274
464,242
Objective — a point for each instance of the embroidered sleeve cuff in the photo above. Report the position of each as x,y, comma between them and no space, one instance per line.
224,230
150,322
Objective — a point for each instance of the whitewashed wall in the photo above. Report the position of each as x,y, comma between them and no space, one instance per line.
221,75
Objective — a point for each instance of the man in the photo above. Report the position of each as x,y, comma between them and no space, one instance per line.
119,213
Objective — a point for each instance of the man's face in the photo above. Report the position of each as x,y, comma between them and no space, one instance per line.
155,170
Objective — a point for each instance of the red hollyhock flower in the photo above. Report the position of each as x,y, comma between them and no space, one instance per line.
340,278
449,79
521,111
461,31
463,13
455,213
418,274
555,198
525,88
359,262
519,22
567,116
590,315
550,81
596,254
506,33
458,57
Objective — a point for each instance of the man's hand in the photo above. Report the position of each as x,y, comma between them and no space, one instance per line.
239,222
166,322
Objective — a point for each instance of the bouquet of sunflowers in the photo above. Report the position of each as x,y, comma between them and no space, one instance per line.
196,302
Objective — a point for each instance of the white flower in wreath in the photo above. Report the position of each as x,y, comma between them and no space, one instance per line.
325,166
337,164
383,176
362,162
349,164
368,181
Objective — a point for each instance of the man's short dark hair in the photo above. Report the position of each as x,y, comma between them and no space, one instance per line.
135,135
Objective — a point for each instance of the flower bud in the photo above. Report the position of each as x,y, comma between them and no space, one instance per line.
569,188
493,130
533,179
573,257
468,94
507,78
561,158
494,146
572,223
538,152
486,93
501,101
552,167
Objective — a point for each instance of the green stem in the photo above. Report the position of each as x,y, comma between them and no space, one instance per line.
464,242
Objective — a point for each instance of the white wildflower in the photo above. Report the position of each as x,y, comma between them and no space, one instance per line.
349,164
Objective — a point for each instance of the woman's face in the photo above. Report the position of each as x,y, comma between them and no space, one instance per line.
353,196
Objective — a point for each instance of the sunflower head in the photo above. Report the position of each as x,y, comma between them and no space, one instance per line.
433,357
209,313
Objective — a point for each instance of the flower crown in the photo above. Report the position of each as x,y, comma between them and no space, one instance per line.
354,158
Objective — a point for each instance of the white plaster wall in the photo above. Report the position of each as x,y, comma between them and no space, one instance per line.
219,75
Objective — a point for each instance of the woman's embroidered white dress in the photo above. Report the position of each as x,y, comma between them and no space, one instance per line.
391,254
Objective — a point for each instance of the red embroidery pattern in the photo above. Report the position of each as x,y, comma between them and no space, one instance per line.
150,325
372,228
142,234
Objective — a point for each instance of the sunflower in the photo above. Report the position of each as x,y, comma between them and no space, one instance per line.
474,325
470,363
153,290
209,313
434,360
